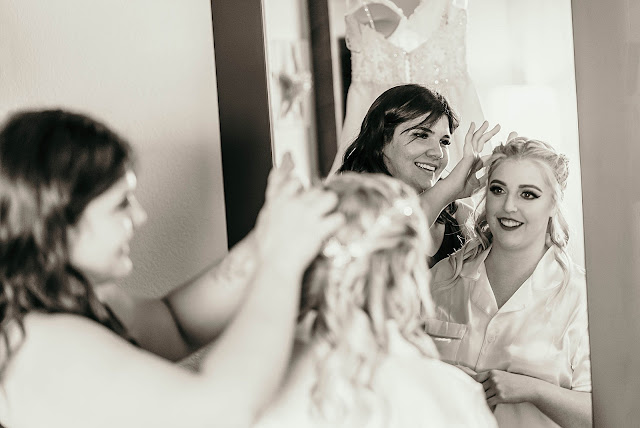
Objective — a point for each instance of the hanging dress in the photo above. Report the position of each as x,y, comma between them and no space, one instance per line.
416,52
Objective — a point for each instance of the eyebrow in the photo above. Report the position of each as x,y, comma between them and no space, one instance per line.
519,187
425,129
420,127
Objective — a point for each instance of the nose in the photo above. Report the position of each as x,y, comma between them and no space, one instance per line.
510,203
138,214
435,150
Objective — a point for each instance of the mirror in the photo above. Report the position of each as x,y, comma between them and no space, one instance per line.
518,74
513,72
506,61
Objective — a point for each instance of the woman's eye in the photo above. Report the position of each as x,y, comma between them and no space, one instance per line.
529,195
445,142
421,135
497,190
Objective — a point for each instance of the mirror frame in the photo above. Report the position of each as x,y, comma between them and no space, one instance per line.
243,104
607,79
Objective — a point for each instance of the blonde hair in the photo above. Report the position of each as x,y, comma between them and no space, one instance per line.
373,269
555,167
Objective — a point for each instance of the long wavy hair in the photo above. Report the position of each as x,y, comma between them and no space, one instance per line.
52,164
555,168
392,108
371,271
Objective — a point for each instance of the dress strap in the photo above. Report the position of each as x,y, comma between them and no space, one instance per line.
368,12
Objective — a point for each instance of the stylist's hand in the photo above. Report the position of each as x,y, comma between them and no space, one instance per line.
293,222
504,387
471,162
463,180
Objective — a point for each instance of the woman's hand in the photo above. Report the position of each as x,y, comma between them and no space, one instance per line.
471,162
462,181
293,222
566,407
504,387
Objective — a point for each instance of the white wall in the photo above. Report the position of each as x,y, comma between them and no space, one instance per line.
520,56
146,68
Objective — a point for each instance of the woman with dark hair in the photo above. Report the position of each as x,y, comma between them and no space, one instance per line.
406,134
87,354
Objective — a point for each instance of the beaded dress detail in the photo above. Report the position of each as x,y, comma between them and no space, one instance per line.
427,48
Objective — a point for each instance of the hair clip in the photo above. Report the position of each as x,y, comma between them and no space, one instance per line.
341,254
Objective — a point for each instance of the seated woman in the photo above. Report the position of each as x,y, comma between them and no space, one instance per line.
362,359
406,134
78,352
511,306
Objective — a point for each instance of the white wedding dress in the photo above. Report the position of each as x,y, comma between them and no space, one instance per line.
428,47
408,389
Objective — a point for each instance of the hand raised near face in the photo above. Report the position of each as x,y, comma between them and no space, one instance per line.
475,140
474,143
464,173
294,222
477,181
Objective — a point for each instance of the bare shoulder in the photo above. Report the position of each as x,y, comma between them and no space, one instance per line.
70,341
66,329
76,369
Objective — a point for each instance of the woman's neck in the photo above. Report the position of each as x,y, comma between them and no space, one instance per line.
508,269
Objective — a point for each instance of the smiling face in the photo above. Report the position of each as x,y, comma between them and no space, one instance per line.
519,204
99,241
418,154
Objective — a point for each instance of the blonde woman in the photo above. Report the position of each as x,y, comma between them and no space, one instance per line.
510,305
362,358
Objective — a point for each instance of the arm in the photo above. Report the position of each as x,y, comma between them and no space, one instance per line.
194,314
462,181
565,407
204,306
256,346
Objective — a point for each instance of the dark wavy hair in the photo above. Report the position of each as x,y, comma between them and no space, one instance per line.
394,107
52,164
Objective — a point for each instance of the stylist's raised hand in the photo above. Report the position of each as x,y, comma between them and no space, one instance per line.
475,140
294,222
474,143
463,177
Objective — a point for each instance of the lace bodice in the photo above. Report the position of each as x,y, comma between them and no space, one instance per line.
413,53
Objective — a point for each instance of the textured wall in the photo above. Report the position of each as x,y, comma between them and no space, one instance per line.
147,69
